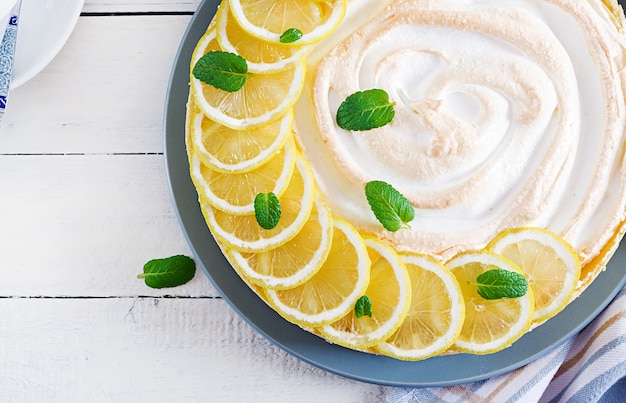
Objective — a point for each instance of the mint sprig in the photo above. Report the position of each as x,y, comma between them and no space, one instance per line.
391,208
291,35
267,210
168,272
365,110
500,283
223,70
363,307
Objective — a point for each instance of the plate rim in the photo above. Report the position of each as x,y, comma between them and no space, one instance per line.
364,367
22,77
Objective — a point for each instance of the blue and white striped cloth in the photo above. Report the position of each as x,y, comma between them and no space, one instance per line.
591,367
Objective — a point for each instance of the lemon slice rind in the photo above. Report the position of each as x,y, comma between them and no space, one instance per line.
323,219
361,273
317,34
282,63
225,100
563,250
335,332
455,312
220,202
283,132
265,241
473,301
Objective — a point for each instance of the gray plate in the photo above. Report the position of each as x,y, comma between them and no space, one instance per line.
437,371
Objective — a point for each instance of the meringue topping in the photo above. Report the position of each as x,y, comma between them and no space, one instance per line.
509,113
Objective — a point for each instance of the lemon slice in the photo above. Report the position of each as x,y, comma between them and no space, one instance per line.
263,99
490,325
551,265
334,289
294,262
262,56
269,19
232,151
389,291
436,315
258,290
235,193
243,233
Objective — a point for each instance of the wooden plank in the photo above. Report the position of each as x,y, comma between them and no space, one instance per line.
116,6
84,204
116,80
152,349
84,225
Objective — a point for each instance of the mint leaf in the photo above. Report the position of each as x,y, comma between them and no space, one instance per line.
168,272
390,207
500,283
363,307
267,210
365,110
223,70
291,35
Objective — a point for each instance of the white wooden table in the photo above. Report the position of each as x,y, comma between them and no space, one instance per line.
84,204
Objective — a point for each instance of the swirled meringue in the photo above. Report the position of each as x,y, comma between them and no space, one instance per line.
509,113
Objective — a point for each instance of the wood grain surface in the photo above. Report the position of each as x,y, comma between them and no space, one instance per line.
85,203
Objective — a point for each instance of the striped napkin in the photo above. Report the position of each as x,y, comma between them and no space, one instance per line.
590,367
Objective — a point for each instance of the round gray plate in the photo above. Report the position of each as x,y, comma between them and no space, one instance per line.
437,371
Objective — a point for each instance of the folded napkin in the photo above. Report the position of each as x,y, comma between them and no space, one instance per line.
590,367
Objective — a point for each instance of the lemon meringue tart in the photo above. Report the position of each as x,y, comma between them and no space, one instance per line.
374,170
